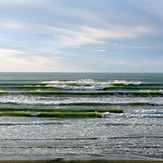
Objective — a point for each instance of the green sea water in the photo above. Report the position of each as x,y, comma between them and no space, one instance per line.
81,115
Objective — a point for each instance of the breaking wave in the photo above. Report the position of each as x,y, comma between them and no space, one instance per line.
140,113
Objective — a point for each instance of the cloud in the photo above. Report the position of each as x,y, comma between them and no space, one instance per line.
24,2
4,52
59,24
84,35
13,25
38,63
98,50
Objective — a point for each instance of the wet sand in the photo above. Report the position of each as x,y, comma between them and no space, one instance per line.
84,161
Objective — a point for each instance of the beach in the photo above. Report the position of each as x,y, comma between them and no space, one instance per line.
84,161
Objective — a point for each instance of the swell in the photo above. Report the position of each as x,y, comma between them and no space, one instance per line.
81,113
140,113
83,104
141,93
112,103
55,112
112,110
76,94
83,85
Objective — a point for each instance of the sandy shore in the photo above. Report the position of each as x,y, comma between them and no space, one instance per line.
84,161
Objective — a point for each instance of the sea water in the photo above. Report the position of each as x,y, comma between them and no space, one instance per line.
54,116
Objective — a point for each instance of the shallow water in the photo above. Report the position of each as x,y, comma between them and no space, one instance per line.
137,133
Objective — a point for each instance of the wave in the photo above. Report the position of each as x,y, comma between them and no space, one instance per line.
2,92
75,113
22,99
83,85
56,113
141,93
141,113
125,103
112,110
89,84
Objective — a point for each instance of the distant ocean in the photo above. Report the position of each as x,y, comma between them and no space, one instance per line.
81,116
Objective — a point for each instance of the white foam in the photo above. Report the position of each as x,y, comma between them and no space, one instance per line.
134,114
83,84
87,84
53,100
109,115
125,82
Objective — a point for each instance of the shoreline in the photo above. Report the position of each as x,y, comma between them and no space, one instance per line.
82,161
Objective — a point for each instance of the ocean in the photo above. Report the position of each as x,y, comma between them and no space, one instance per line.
76,116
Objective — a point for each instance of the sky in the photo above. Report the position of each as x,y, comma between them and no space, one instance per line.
81,36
